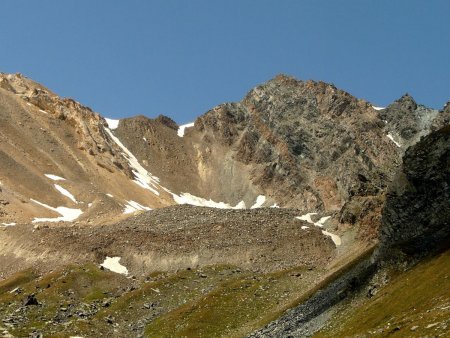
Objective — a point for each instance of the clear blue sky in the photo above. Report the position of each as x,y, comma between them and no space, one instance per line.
181,58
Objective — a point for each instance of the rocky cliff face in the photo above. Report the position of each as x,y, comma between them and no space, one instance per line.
415,221
442,119
306,144
416,216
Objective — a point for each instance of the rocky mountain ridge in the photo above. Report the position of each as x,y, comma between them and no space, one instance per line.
301,144
80,193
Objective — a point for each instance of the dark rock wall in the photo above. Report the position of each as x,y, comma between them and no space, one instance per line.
416,216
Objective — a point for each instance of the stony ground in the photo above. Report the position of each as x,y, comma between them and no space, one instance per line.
171,238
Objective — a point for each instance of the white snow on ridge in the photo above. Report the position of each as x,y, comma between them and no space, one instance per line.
8,224
259,202
65,193
378,108
186,198
133,206
142,177
392,139
67,214
112,124
54,177
182,128
112,264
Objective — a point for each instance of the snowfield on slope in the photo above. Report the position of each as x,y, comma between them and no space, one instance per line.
186,198
259,202
133,206
142,177
320,223
112,124
112,264
65,192
67,214
54,177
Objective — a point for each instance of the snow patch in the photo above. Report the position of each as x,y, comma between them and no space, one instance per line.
112,264
182,128
259,202
65,193
8,224
43,111
112,124
275,206
186,198
335,238
322,221
109,195
67,214
307,217
54,177
142,177
378,108
392,139
429,326
133,206
240,205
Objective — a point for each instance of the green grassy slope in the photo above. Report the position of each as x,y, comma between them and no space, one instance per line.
89,302
414,304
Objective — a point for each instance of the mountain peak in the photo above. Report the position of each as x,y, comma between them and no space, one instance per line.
167,121
406,102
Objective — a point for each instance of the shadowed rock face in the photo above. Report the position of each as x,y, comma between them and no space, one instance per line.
416,217
408,121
